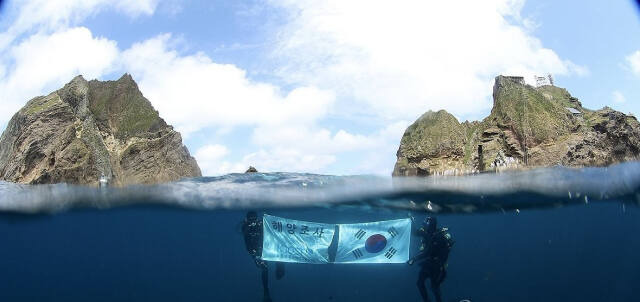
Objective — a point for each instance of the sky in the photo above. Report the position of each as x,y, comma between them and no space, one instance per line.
317,86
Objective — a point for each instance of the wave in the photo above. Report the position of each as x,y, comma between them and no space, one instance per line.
509,191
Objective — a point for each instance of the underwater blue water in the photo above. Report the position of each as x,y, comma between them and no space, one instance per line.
161,244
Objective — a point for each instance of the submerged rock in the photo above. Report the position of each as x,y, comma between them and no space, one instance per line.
89,129
527,127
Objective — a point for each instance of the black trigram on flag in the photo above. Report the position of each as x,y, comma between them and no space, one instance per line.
392,251
393,232
357,253
359,234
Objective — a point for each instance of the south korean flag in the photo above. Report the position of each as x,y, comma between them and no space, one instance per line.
374,242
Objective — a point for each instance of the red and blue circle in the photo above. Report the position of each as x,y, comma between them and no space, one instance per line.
375,243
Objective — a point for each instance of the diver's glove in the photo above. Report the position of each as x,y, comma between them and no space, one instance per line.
411,261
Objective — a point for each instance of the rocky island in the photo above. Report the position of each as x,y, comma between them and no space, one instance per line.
92,129
528,127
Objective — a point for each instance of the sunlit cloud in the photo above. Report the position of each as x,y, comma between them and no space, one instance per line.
402,58
35,72
634,62
618,97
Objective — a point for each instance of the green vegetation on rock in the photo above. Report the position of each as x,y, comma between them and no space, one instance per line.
86,130
531,116
120,105
42,103
432,133
527,127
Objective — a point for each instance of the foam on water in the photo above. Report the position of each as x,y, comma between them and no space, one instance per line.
550,187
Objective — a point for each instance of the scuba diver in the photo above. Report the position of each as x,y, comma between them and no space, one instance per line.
252,232
435,246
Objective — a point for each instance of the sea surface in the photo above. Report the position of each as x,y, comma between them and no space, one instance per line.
553,234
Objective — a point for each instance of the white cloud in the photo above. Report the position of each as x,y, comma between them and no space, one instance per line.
210,159
381,158
310,140
315,149
618,97
579,70
402,58
53,14
42,63
634,62
48,16
287,159
193,92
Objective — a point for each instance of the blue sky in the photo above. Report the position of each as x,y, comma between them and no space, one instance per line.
316,86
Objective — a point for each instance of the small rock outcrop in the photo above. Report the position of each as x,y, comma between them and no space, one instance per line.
89,129
251,169
528,127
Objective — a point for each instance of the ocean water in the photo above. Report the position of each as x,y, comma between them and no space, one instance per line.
552,234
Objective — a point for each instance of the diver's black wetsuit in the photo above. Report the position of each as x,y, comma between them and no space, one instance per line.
252,231
434,252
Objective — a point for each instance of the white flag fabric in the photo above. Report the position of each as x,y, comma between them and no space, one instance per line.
374,242
288,240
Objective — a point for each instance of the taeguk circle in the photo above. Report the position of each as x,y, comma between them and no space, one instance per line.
375,243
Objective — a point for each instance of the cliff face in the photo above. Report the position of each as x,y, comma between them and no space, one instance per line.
91,128
527,127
